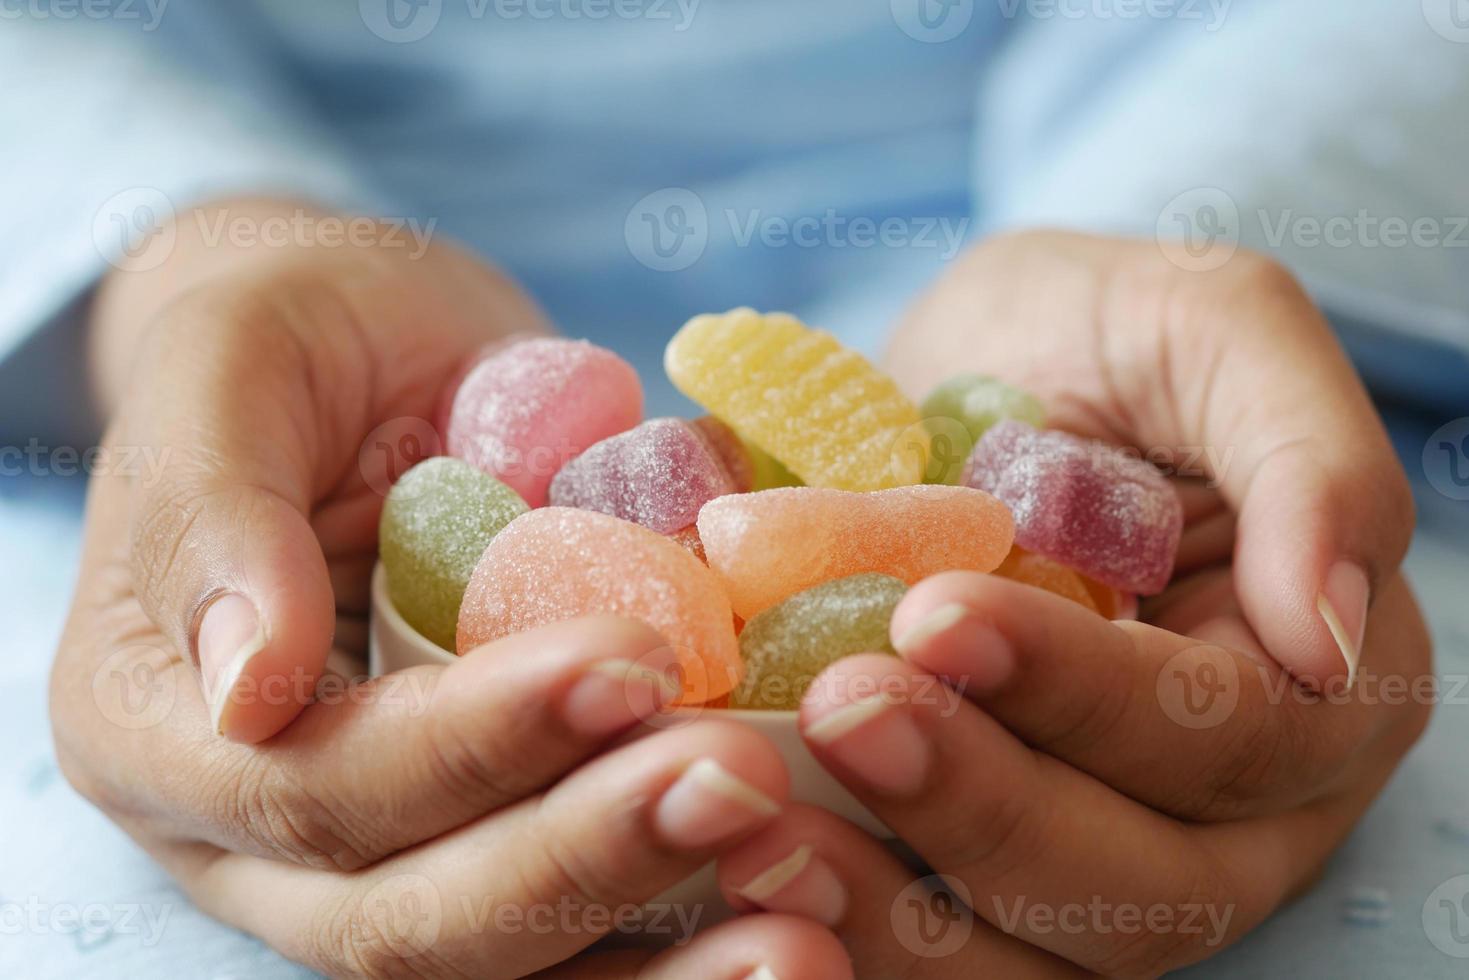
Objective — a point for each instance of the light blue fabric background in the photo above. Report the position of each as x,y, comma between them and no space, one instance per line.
558,145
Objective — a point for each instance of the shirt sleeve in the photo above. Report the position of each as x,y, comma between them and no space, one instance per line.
1330,135
110,127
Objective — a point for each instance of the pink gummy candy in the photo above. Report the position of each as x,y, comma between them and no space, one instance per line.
658,475
558,563
1083,503
771,544
526,409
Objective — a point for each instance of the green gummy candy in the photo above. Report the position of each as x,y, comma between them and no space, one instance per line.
436,522
960,410
786,646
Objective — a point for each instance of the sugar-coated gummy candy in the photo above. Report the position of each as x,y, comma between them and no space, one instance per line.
527,408
787,645
751,467
1043,573
1084,503
825,412
560,563
435,524
1111,603
657,474
771,544
731,451
961,410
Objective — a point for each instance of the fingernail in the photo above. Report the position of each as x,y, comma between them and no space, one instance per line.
763,973
709,803
958,646
936,623
1343,605
230,634
614,694
878,741
799,884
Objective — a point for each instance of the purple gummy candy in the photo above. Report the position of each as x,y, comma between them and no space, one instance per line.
657,474
1082,503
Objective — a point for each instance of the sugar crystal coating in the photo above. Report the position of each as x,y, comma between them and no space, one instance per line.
1083,503
559,563
526,409
787,645
730,450
819,408
1043,573
657,474
768,545
435,524
959,411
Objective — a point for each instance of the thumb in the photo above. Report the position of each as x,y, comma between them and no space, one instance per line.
1325,511
224,558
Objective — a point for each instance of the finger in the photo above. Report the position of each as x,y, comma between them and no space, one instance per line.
1190,727
811,863
376,767
1234,370
761,947
522,889
1023,829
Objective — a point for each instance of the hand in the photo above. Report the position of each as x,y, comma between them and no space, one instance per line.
375,828
1203,765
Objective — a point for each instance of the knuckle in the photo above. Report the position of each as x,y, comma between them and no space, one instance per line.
360,936
1003,839
281,818
484,769
1249,762
1151,950
587,878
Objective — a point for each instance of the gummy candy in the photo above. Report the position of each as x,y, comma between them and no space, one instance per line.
1043,573
733,454
658,475
1083,503
980,401
786,646
435,524
526,409
822,410
1110,602
768,545
559,563
960,410
751,467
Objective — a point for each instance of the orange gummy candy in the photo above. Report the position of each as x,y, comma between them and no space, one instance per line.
768,545
558,563
1043,573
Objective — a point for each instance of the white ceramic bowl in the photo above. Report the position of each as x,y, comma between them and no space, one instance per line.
394,645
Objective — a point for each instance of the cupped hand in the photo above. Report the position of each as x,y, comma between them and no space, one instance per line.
1125,798
428,823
